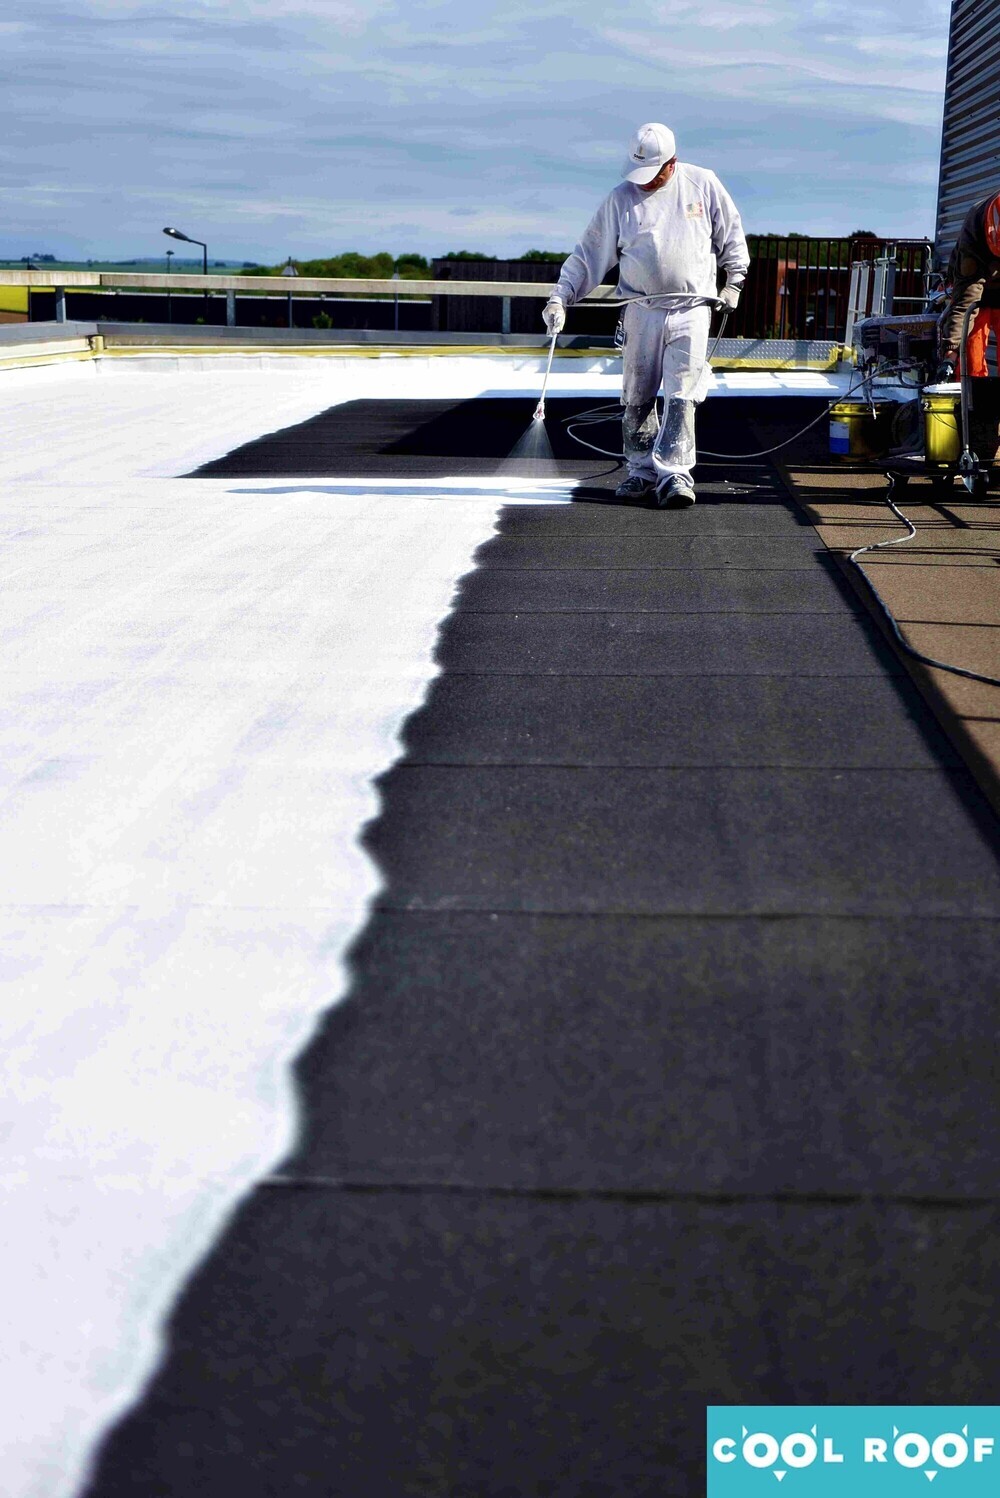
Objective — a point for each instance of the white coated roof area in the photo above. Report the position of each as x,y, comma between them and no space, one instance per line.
198,690
202,678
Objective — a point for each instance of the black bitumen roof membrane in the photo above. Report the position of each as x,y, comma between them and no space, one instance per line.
665,1076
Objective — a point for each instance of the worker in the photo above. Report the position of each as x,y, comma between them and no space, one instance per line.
670,228
974,275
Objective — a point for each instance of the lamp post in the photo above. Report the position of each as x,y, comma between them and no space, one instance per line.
289,270
395,311
176,234
170,256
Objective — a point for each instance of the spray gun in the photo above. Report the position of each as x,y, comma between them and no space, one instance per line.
540,408
649,301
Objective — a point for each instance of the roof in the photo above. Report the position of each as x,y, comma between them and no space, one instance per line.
526,957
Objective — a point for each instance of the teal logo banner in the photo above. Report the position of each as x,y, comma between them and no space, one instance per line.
866,1451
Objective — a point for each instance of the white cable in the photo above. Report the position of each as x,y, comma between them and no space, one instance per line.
928,660
765,452
591,418
596,416
603,451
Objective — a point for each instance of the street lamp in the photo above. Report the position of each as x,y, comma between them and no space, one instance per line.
170,256
289,270
176,234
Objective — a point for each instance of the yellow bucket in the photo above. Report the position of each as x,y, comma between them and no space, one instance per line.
856,436
942,427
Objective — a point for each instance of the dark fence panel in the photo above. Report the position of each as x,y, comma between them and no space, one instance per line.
251,311
471,314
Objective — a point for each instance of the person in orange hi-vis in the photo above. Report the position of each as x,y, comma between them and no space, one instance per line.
974,274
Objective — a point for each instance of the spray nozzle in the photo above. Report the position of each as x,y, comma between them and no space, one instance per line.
540,408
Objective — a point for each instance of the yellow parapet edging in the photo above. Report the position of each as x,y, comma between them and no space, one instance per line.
14,299
352,351
61,356
779,366
99,350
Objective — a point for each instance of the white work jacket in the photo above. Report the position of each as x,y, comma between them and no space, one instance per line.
670,240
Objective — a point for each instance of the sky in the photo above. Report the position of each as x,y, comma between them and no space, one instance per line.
272,128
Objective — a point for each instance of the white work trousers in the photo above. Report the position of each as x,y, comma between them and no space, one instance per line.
668,349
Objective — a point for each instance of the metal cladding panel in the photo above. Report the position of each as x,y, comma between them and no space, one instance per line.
970,142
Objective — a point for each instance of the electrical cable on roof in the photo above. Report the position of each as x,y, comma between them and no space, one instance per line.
601,415
596,417
927,660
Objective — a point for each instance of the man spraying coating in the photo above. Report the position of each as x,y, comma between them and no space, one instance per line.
669,227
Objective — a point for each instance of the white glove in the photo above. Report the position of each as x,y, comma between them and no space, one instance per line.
728,299
554,316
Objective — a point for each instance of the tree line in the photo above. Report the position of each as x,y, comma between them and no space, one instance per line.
380,266
351,264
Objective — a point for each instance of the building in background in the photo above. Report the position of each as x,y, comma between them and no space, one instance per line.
970,142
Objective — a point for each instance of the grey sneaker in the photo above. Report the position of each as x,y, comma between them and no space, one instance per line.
676,493
633,487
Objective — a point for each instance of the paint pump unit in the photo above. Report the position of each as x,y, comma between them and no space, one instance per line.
904,422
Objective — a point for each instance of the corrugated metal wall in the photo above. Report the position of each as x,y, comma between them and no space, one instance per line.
970,144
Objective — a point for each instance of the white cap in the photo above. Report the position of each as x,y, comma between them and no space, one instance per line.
650,148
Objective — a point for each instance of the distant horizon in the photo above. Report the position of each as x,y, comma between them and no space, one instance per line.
61,262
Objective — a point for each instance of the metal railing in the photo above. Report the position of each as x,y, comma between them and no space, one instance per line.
303,286
801,288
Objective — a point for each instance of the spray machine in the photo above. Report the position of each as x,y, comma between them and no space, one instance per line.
905,421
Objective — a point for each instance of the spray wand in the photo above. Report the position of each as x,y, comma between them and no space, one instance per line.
648,301
540,408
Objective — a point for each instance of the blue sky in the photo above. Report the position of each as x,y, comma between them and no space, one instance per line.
306,127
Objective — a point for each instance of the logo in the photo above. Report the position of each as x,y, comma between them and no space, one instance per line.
695,210
811,1452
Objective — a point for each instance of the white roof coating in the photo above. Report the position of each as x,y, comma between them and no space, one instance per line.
198,691
202,678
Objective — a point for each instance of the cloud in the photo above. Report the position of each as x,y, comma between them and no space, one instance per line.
354,120
759,72
901,46
723,17
354,15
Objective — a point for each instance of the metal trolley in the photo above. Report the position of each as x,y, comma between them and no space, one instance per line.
948,442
